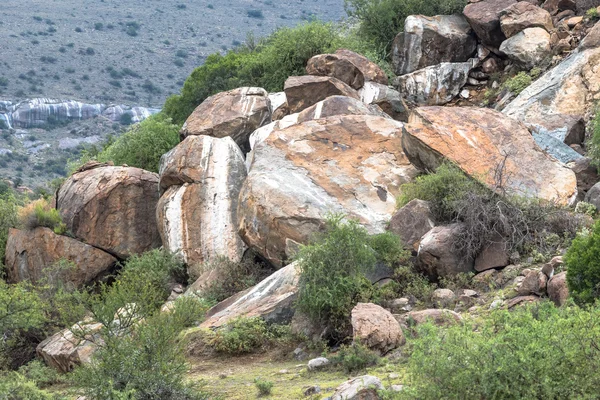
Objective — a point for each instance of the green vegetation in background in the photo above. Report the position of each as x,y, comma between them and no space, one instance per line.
534,352
583,265
593,145
246,335
8,219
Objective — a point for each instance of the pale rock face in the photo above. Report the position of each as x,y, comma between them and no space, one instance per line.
523,15
343,164
435,85
278,105
428,41
272,299
361,388
529,47
385,97
480,141
197,214
376,328
412,221
236,114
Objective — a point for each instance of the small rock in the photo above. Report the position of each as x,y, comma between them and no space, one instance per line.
443,298
317,363
222,376
393,375
465,94
300,354
397,388
361,388
376,328
283,372
496,304
311,390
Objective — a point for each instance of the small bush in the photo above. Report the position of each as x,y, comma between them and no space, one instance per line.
355,358
518,83
40,214
592,13
594,141
255,14
246,335
586,208
41,374
8,219
264,386
583,265
14,386
407,282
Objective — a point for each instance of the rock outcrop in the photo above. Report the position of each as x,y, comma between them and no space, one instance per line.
523,15
197,215
428,41
236,113
376,328
437,255
272,299
528,48
558,290
343,164
112,208
30,253
484,18
389,100
371,71
347,66
305,91
482,143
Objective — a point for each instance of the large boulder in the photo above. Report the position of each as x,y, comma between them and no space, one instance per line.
484,18
535,283
371,71
376,328
523,15
236,113
494,255
360,388
484,143
593,195
272,299
197,215
305,91
349,164
337,67
572,87
528,48
428,41
438,256
388,99
412,221
558,290
435,85
112,208
29,253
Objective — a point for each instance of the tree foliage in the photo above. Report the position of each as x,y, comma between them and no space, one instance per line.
583,265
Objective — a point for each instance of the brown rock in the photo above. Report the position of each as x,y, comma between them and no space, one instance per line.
592,40
437,254
479,141
443,298
112,208
439,317
337,67
523,15
484,17
29,253
388,99
236,113
376,328
304,91
362,388
521,300
371,71
534,283
558,290
490,66
412,221
494,255
586,173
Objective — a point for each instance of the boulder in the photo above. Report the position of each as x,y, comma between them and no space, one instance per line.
428,41
388,99
494,255
350,164
558,290
71,347
593,195
29,253
523,15
435,85
371,71
480,142
443,298
528,48
305,91
236,113
337,67
592,39
318,363
197,215
440,317
412,221
556,148
376,328
587,175
572,88
361,388
484,18
569,129
112,208
534,283
272,299
278,105
437,255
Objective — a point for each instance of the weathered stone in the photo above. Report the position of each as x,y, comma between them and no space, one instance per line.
569,129
484,18
361,388
29,253
348,164
318,363
435,85
592,40
522,300
558,290
439,317
494,255
443,298
428,41
371,71
278,105
337,67
112,208
305,91
236,113
523,15
412,221
376,328
572,88
272,299
528,48
197,216
587,175
534,283
388,99
480,141
593,196
556,148
437,255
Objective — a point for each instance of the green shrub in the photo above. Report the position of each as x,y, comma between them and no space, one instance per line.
264,386
8,219
586,208
354,358
594,141
536,352
157,267
332,271
14,386
583,265
381,20
40,214
246,335
143,144
41,374
406,282
592,13
518,83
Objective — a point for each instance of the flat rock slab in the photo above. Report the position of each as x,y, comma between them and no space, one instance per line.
305,91
482,141
350,164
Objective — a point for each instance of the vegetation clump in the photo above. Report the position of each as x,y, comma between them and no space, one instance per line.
246,335
39,214
583,265
354,358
